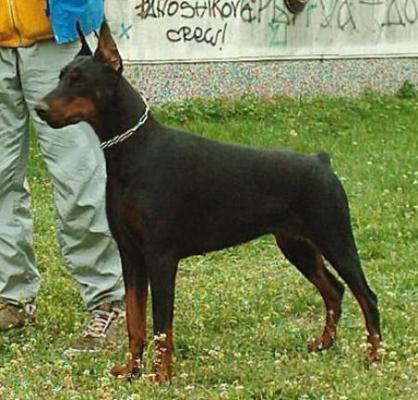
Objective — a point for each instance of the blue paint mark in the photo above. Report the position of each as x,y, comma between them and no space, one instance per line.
279,28
278,33
125,31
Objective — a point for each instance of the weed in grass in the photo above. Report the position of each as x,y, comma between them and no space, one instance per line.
407,91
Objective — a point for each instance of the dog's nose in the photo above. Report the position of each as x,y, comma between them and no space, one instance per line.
41,108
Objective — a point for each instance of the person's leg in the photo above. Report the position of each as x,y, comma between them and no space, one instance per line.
77,168
19,278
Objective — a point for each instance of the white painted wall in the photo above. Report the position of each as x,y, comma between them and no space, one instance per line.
220,30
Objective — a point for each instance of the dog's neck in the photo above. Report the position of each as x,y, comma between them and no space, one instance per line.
122,113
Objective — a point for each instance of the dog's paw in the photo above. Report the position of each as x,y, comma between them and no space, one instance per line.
375,351
322,342
126,371
372,357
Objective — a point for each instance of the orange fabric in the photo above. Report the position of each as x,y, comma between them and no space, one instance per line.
23,22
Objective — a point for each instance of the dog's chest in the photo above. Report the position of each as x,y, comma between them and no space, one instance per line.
131,214
123,208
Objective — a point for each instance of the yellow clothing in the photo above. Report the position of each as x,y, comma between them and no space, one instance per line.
23,22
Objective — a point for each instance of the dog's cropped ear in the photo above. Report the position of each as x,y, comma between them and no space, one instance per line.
85,49
107,50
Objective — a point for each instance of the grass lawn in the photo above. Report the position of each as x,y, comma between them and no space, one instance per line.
245,315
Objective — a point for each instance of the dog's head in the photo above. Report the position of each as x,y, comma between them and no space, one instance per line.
86,85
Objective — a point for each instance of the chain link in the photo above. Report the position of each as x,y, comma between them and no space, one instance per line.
129,132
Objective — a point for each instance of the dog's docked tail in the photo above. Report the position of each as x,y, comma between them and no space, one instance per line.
324,158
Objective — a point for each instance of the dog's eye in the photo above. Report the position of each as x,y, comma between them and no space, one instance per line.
76,79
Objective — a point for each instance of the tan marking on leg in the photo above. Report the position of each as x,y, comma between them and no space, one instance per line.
136,321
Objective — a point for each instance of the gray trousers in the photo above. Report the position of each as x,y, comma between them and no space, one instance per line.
77,170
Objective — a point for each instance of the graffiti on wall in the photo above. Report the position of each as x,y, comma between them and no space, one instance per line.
193,30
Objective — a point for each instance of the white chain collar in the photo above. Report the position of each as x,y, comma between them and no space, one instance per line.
129,132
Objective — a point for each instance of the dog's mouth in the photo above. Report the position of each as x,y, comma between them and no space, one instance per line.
75,119
53,118
59,122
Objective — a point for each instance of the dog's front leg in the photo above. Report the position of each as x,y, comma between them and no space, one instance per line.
162,277
136,287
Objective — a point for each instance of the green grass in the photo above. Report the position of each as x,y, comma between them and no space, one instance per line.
244,315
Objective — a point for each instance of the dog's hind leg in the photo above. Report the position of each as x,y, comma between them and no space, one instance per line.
136,288
308,260
163,271
327,219
343,256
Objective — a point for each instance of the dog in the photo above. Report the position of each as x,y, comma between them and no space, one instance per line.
172,194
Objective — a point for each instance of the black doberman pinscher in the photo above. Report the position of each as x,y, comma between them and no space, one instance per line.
171,195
